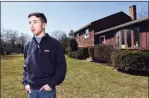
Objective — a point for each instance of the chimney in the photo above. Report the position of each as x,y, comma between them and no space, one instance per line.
132,12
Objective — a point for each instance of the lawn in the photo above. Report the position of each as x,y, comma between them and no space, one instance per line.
83,80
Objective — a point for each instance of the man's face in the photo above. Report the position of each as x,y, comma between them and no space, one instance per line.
36,25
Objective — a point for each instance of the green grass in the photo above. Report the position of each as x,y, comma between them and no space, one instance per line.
83,80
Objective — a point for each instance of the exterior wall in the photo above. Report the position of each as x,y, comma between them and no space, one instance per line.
86,42
139,30
110,38
110,41
143,40
144,36
132,39
148,40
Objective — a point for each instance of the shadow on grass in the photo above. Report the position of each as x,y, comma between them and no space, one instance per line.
101,62
135,72
131,72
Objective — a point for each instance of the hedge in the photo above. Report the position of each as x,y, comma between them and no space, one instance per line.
103,53
81,53
130,60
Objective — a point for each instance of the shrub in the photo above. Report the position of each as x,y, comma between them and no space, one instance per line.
73,44
84,52
91,53
103,53
81,53
68,49
130,60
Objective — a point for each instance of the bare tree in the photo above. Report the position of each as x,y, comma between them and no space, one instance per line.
11,41
22,39
5,35
9,38
57,34
13,37
142,14
71,34
61,36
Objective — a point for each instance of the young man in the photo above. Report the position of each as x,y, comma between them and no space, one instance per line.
44,61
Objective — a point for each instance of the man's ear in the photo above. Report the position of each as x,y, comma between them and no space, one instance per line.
44,25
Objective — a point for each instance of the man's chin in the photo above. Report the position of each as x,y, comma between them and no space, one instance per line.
35,33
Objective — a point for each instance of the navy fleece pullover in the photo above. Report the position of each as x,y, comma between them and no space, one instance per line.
44,63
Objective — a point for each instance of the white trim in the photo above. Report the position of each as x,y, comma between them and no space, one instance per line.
87,33
100,38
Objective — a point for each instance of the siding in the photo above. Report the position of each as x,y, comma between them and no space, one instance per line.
86,42
143,40
148,40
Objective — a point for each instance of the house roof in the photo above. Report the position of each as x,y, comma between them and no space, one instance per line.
108,21
122,25
83,27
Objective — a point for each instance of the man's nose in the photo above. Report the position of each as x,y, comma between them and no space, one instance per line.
31,25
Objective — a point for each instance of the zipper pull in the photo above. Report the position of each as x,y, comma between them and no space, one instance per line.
38,46
39,49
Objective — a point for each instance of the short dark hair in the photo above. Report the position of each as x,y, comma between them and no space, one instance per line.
38,15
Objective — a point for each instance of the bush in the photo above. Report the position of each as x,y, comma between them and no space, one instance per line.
73,44
68,49
130,60
91,53
103,53
84,52
71,47
2,51
81,53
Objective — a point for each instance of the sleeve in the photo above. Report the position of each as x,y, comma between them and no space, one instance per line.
61,67
24,82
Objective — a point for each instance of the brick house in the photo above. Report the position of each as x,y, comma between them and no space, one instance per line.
119,30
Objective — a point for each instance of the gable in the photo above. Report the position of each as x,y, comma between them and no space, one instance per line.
110,21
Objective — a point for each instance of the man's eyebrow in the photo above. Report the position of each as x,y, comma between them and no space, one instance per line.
33,20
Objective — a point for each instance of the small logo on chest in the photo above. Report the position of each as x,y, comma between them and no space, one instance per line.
46,50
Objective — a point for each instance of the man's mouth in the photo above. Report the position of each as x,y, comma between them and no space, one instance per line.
33,30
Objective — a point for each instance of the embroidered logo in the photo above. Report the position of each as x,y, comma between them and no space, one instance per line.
46,50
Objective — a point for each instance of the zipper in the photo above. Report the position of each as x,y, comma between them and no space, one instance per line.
38,46
39,49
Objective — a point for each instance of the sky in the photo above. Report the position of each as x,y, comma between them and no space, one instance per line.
62,16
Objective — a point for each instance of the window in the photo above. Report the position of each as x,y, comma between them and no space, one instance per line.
129,37
86,33
77,38
122,37
102,39
78,35
118,38
136,37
